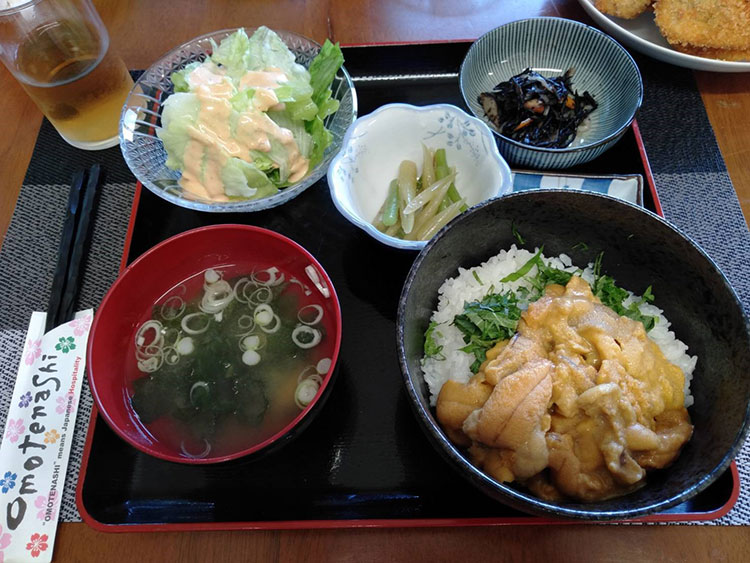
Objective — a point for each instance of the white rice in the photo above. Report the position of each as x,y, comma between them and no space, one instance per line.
466,288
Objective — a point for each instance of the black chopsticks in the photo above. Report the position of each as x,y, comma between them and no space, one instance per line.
83,190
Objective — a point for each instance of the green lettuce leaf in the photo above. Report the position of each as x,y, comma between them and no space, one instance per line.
306,97
323,69
287,120
321,138
244,179
180,113
179,78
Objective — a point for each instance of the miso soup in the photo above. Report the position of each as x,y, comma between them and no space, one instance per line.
228,358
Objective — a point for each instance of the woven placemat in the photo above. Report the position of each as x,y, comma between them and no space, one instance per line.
691,179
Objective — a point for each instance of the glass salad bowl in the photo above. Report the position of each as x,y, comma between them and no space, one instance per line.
140,121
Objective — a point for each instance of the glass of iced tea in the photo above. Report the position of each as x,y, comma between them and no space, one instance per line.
59,52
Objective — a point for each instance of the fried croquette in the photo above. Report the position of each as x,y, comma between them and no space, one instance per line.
721,54
627,9
710,25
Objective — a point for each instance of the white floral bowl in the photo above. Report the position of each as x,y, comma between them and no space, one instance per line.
375,145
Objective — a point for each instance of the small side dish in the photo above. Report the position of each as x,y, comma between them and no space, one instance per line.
555,377
531,114
538,110
374,148
248,121
418,206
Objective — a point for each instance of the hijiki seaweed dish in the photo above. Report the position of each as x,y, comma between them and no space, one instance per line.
539,111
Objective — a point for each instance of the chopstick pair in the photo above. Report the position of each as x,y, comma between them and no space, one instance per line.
84,186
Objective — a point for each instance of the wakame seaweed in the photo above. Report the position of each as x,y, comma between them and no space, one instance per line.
536,110
211,387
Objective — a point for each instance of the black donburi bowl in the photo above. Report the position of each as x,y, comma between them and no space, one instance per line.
640,249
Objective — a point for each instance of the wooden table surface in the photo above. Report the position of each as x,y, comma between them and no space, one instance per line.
142,30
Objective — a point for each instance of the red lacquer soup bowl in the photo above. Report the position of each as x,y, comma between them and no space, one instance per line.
215,344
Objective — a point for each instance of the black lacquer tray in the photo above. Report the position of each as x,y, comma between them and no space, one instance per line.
364,460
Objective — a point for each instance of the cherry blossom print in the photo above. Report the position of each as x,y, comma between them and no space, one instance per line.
25,400
37,544
51,437
42,503
65,344
65,402
8,481
81,325
4,542
33,352
14,429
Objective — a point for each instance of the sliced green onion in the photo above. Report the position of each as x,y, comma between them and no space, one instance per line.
318,315
140,335
306,392
304,288
204,453
306,336
270,276
309,371
147,352
171,355
170,336
263,294
151,364
250,357
216,298
185,346
188,319
273,326
239,286
263,314
172,308
196,388
246,322
251,342
324,365
211,276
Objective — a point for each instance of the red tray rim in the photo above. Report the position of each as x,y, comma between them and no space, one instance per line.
384,522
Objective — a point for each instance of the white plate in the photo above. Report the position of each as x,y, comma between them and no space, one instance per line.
643,35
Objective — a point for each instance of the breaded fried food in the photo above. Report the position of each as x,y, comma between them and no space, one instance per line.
721,54
627,9
708,24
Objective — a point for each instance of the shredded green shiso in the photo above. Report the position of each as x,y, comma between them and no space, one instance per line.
486,322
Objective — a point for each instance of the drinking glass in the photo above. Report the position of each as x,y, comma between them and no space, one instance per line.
59,52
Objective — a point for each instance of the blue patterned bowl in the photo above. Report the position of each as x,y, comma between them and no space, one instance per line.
551,46
375,145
